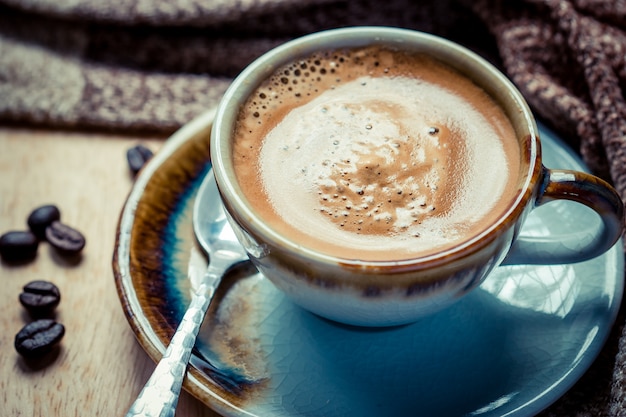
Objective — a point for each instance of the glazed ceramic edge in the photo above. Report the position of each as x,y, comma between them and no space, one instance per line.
153,343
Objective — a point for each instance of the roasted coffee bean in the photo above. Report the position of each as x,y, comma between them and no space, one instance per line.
40,218
145,152
18,246
137,156
38,337
64,238
40,297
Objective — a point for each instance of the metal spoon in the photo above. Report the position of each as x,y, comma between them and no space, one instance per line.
159,396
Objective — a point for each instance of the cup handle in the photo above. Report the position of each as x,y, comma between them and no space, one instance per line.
583,188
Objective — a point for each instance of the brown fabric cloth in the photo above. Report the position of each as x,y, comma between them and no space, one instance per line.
155,64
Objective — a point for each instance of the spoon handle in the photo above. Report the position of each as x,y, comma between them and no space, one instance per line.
159,396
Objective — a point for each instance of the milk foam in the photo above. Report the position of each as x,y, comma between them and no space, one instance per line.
372,164
359,166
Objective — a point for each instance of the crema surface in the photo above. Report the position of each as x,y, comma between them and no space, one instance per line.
375,154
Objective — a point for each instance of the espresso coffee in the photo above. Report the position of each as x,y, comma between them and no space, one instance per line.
375,154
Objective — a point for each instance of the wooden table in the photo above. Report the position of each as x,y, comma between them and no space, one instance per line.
100,367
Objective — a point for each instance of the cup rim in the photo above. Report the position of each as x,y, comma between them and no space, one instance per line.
350,37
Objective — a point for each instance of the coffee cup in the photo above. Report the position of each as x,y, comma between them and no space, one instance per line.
376,175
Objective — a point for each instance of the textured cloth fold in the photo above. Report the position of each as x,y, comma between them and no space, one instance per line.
155,64
134,46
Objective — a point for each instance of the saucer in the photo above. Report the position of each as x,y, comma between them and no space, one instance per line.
510,348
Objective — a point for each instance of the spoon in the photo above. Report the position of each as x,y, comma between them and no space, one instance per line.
159,395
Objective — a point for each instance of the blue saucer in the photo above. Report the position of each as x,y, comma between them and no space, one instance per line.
510,348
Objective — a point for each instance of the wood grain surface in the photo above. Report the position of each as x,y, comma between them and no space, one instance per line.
99,368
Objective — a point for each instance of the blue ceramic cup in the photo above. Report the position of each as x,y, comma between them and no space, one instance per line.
399,291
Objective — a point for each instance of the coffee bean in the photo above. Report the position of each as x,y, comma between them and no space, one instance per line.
18,246
40,297
42,217
137,156
145,152
65,239
38,337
